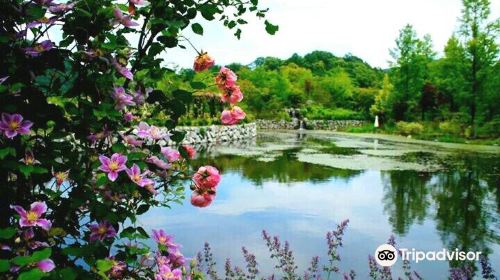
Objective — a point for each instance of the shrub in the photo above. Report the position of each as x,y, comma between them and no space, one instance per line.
409,128
79,163
450,127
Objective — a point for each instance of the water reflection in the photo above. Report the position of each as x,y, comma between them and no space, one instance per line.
267,187
284,168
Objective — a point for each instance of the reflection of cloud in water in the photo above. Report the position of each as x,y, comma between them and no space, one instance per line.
299,198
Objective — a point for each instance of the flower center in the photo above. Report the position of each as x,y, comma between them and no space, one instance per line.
102,230
31,216
168,275
39,48
162,239
14,125
113,165
136,178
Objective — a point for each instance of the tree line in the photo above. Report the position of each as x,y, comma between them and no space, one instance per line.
459,88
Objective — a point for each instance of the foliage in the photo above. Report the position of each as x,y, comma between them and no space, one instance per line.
78,164
409,128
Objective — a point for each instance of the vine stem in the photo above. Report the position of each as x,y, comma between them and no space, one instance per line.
183,37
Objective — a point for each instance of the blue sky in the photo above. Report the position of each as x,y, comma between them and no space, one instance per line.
365,28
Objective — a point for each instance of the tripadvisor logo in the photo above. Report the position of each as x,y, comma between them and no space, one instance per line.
387,255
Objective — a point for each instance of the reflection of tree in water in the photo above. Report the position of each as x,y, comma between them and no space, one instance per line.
284,168
467,211
406,198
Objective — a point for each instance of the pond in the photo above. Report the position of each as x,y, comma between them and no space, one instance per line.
299,185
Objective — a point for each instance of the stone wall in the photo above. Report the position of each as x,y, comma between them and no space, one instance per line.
309,124
218,133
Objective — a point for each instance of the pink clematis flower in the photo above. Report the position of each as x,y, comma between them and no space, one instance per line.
128,117
29,159
117,269
113,165
38,49
166,273
135,175
207,178
12,124
122,99
33,217
124,71
156,133
158,162
43,20
201,199
60,177
232,95
162,238
232,116
152,132
171,154
61,8
46,265
226,78
140,97
203,62
190,151
143,130
132,141
123,19
101,231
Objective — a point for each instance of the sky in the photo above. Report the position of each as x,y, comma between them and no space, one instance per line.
364,28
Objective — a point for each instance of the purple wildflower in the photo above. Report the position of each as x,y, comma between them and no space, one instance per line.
121,98
12,124
113,165
39,48
101,231
33,217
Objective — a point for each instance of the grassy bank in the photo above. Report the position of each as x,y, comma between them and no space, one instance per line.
427,131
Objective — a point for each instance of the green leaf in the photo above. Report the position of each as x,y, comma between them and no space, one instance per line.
208,11
102,180
26,170
104,265
127,233
231,24
183,95
142,209
270,28
67,273
22,260
36,11
136,156
41,255
168,41
178,136
4,265
198,85
34,274
119,148
7,151
7,233
197,28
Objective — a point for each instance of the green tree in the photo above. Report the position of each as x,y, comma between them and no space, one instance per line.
411,58
481,52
